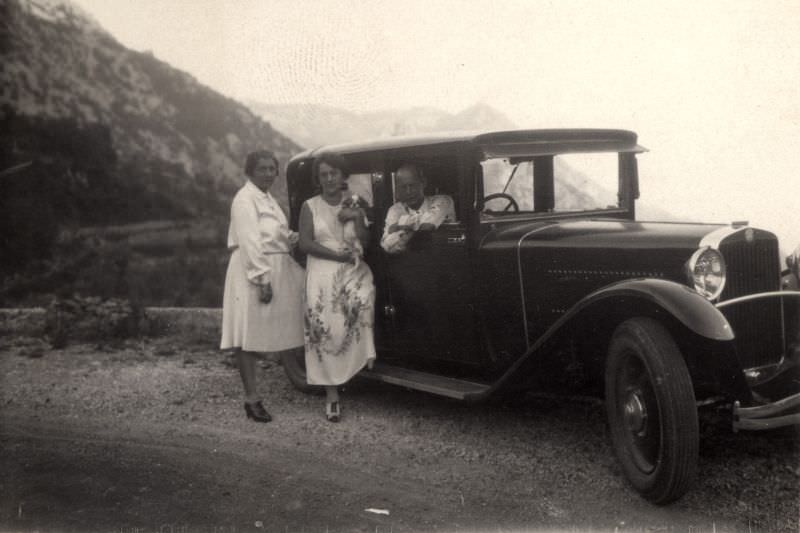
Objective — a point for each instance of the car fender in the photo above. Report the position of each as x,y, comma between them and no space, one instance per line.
689,308
692,310
695,313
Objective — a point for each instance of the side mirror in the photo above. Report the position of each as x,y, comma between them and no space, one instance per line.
793,262
634,178
628,177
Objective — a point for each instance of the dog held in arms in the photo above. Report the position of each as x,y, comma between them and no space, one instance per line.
354,202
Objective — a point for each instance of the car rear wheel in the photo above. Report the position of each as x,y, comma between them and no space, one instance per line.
652,412
294,364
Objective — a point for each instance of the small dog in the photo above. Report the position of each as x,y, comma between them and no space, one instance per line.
353,201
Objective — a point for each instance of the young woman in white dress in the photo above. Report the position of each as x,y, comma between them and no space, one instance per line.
340,293
262,307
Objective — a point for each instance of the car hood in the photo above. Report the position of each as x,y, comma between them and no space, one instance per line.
597,252
600,233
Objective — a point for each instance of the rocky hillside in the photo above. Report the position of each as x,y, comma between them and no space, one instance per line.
314,125
92,136
185,139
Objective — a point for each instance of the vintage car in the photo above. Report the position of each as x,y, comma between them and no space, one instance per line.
547,281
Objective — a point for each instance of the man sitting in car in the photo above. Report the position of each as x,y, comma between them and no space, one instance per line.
413,211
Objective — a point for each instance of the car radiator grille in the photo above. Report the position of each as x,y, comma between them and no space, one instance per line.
754,267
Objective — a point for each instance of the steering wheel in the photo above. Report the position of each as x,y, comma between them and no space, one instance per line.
511,201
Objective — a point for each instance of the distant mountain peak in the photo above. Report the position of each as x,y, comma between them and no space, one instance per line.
479,116
314,125
480,106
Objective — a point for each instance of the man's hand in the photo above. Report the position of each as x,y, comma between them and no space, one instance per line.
265,293
400,227
394,228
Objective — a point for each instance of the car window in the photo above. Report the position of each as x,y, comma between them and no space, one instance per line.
586,181
361,184
580,182
503,179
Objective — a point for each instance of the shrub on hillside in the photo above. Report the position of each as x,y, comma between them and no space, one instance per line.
92,319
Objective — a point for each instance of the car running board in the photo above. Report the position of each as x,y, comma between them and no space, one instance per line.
433,383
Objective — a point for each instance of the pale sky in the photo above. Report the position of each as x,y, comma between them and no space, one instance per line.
712,88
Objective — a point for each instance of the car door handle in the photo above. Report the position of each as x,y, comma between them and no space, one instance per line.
461,239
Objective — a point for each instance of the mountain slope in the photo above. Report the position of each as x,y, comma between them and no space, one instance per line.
476,117
313,125
92,136
60,64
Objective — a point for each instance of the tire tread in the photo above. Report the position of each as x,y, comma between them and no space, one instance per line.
682,439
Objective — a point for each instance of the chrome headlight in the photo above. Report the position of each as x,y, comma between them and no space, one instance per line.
706,271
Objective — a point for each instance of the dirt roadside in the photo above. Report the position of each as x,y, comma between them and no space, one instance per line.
150,436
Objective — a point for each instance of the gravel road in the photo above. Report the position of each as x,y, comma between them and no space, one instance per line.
149,435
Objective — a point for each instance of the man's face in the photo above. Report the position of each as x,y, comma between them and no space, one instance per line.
410,188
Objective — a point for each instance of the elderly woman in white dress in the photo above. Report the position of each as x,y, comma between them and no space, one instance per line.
263,303
340,293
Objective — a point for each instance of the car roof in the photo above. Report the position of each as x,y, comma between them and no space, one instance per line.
507,143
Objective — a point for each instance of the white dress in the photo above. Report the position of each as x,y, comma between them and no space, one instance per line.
258,238
340,302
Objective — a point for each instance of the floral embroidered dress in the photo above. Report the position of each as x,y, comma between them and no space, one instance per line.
340,301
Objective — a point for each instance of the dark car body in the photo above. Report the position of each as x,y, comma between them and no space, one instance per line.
561,292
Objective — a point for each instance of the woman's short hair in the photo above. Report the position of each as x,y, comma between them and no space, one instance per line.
254,157
332,159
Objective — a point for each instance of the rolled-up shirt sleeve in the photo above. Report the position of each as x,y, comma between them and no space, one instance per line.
247,235
392,217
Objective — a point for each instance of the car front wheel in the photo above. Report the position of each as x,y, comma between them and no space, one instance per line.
652,412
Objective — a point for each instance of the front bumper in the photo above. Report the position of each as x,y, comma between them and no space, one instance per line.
767,416
785,411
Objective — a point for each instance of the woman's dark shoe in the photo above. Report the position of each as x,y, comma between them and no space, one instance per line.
257,412
332,412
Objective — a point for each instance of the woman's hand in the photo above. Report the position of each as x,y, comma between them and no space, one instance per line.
265,293
349,213
293,237
347,255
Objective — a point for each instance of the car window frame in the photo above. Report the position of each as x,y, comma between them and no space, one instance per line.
627,193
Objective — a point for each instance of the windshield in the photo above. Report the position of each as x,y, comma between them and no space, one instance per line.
572,182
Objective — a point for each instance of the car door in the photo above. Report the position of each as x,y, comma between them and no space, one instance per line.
430,291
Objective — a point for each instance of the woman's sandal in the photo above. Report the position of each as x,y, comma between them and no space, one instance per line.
332,412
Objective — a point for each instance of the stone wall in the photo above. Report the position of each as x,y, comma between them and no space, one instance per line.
201,323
